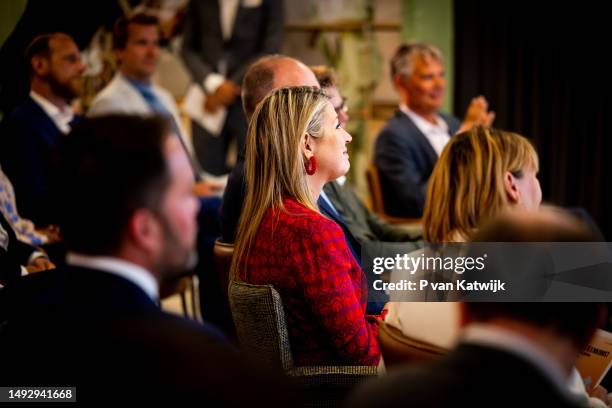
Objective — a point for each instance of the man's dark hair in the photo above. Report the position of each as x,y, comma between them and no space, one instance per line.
39,46
104,170
576,321
121,29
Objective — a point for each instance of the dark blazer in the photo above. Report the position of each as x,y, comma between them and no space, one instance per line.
405,160
101,333
363,223
257,31
27,137
233,200
469,376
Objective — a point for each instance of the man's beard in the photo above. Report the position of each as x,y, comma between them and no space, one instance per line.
175,260
67,91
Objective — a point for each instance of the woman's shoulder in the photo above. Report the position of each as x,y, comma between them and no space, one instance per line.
305,219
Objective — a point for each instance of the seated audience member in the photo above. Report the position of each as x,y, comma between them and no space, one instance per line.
266,74
29,133
408,147
136,44
263,76
295,145
95,324
366,226
529,347
373,233
481,173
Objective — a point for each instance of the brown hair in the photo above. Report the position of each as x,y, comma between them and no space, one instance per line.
467,184
122,25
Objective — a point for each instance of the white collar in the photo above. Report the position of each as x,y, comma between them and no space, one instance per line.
341,180
61,117
512,342
120,267
424,125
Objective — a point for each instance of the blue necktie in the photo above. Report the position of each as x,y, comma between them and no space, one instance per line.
157,106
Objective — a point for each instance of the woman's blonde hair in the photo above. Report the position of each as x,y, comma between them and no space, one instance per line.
274,163
467,184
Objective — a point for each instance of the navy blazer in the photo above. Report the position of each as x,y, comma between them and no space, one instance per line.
27,139
104,335
405,160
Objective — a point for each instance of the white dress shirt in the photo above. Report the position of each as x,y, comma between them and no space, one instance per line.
61,117
436,134
127,270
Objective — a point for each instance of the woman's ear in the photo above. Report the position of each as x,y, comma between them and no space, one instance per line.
512,191
306,146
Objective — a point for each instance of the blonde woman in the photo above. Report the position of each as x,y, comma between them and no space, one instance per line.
480,173
295,145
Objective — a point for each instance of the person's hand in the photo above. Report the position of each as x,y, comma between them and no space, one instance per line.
599,392
52,232
212,103
42,263
206,189
477,114
227,92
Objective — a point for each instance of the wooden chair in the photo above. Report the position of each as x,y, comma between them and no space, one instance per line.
180,286
398,349
378,204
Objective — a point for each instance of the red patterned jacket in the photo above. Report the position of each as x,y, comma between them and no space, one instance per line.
324,293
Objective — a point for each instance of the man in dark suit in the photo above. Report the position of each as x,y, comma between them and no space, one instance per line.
222,38
408,147
129,220
28,134
510,355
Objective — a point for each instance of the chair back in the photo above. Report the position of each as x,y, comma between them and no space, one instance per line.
223,261
260,323
398,349
378,205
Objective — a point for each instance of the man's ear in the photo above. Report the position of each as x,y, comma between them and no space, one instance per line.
512,191
40,65
144,230
118,56
397,80
306,146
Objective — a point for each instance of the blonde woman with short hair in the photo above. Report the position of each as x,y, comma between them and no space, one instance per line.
481,173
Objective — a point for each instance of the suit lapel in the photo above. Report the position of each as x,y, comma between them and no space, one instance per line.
421,139
40,120
352,242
